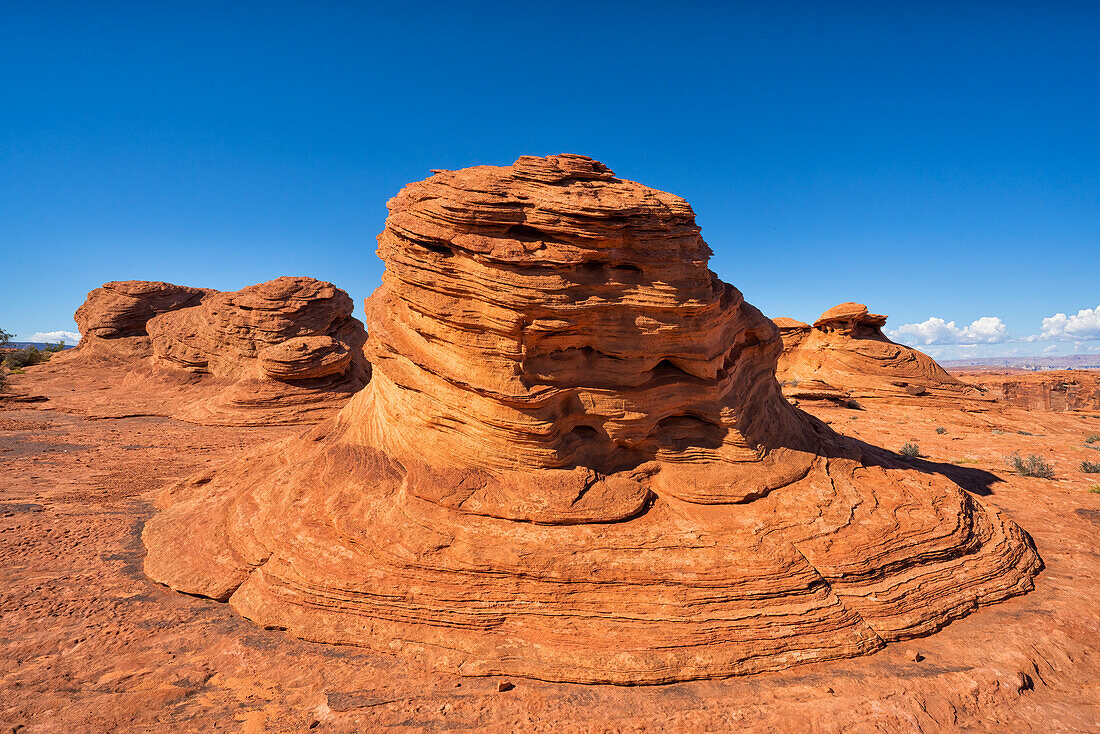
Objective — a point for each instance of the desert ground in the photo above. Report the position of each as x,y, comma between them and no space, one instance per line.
92,645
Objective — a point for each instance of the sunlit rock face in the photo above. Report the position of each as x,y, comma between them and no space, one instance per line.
573,462
285,351
846,355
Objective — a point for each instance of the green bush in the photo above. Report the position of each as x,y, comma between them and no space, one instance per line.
55,348
1033,466
1090,467
941,430
910,451
21,358
1092,438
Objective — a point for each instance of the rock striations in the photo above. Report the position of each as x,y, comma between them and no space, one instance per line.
573,462
1057,391
846,355
284,351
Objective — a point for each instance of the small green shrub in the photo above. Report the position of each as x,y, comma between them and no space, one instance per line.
54,348
852,405
1033,466
1095,489
910,451
24,358
1090,467
1092,438
941,430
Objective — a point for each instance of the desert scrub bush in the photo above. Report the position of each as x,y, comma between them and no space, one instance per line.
941,430
52,349
852,405
1090,467
1095,489
1033,466
21,358
910,451
1092,438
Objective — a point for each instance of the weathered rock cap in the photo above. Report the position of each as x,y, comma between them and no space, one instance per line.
850,312
788,324
558,168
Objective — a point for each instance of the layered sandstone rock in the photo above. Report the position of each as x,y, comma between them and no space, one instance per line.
114,316
285,351
846,355
1057,391
573,462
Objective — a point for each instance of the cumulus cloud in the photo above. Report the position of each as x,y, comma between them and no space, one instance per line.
52,337
1085,324
986,330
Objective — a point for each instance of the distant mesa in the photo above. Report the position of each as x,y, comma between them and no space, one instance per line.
572,462
845,355
284,351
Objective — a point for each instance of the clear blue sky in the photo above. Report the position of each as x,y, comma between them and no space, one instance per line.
929,159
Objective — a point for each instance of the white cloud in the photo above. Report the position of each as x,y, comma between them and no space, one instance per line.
52,337
1085,324
1051,348
986,330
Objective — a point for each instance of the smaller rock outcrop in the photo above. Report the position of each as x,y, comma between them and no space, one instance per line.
845,355
114,316
285,351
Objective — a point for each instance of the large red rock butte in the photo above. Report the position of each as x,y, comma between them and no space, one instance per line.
845,355
573,462
284,351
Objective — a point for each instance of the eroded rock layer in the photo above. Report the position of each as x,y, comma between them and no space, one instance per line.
846,355
573,462
1057,391
114,316
283,351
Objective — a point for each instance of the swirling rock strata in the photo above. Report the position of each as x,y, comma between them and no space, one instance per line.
284,351
573,462
846,355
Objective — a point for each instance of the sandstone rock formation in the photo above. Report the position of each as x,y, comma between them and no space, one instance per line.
114,316
1057,390
846,355
573,462
284,351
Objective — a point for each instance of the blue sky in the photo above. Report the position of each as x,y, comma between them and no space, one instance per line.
937,161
